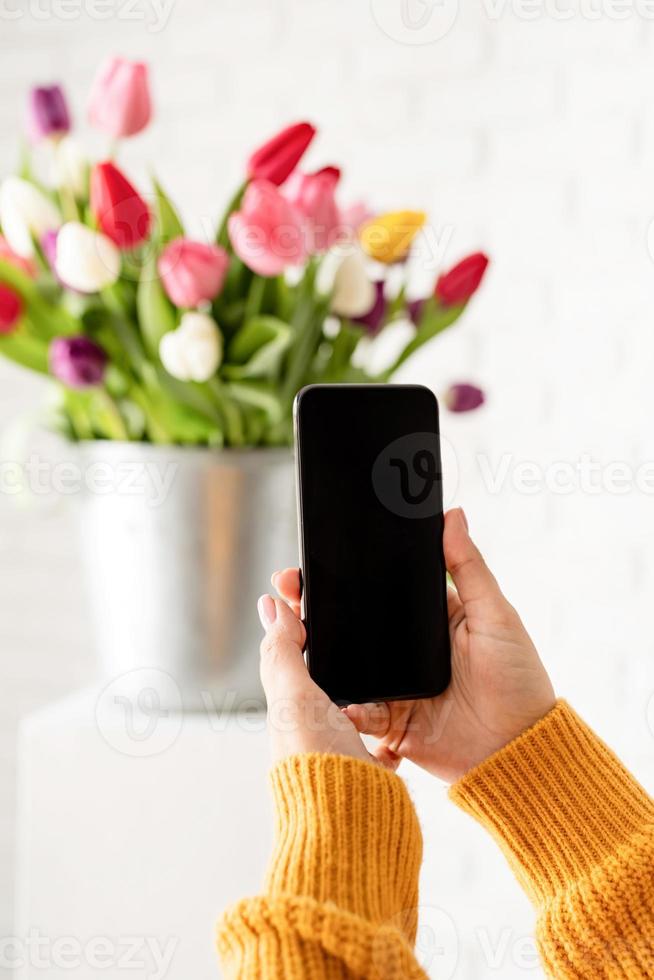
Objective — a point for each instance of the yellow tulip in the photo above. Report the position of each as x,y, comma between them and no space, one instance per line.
388,237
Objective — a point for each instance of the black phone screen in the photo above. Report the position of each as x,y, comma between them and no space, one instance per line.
371,527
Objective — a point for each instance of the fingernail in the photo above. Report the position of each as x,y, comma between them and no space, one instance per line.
274,578
267,611
465,519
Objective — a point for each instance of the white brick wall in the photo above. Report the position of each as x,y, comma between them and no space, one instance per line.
532,139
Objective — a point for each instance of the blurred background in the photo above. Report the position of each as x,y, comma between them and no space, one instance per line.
526,131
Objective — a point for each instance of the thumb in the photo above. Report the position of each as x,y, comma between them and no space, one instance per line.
472,577
283,670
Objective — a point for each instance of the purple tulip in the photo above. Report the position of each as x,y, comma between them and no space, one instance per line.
414,309
49,114
464,397
77,361
373,319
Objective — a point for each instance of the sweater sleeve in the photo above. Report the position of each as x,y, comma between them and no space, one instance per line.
341,893
578,831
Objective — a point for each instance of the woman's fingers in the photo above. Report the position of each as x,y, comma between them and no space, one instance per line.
386,757
370,719
471,575
283,670
287,584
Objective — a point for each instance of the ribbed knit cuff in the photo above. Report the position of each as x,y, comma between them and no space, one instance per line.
557,800
347,833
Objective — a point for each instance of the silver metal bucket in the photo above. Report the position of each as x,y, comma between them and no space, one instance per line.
178,544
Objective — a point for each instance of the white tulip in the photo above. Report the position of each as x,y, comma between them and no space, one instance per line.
353,293
70,168
86,260
194,351
25,214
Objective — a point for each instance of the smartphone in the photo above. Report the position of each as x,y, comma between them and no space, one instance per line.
370,513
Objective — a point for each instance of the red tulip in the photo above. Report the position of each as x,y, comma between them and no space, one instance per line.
122,215
279,157
11,309
458,285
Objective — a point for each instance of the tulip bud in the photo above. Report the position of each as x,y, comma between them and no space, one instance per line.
25,214
193,352
49,114
388,237
353,293
373,319
313,196
120,98
71,168
192,272
458,285
277,158
85,259
11,309
121,213
267,233
414,308
464,397
77,361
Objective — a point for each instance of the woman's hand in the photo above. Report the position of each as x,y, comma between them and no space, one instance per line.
301,718
499,686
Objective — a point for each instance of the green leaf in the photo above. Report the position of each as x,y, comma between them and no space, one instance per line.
258,394
156,315
48,319
29,352
169,224
257,349
343,347
434,320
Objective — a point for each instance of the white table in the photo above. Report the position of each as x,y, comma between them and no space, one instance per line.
130,846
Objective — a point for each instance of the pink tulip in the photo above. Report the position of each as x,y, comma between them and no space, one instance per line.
267,233
120,98
353,217
313,196
192,272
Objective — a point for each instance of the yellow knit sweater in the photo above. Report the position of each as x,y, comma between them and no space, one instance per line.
342,888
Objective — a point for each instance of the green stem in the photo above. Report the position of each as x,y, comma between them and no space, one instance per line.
117,427
308,323
222,238
255,297
233,423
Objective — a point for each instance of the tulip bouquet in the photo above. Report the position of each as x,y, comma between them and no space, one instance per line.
152,336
